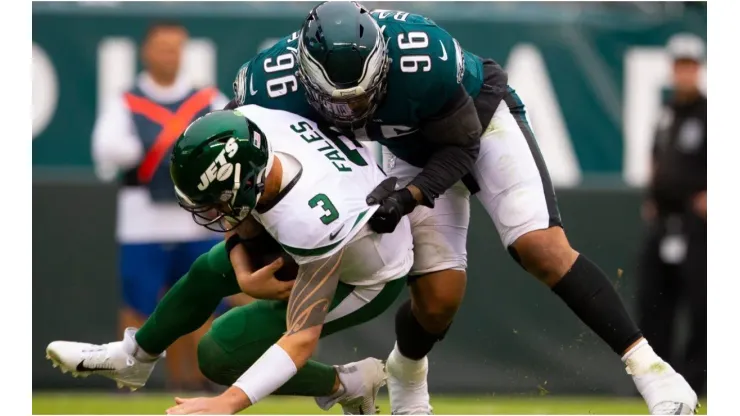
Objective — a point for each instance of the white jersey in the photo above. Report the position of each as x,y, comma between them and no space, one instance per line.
324,209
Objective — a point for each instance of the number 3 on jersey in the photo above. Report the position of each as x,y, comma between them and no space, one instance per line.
323,202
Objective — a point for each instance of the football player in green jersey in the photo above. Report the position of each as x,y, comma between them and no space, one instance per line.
243,172
451,127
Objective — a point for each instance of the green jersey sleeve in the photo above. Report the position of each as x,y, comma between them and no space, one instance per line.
269,79
427,65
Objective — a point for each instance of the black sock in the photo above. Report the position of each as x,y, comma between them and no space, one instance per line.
589,293
414,342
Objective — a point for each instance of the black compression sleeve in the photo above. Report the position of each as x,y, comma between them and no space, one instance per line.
445,167
455,134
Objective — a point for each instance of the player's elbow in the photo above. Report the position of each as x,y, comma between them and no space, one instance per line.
301,345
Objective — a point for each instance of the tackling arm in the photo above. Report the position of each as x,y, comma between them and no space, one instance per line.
456,136
457,133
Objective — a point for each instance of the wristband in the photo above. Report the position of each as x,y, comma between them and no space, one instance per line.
273,369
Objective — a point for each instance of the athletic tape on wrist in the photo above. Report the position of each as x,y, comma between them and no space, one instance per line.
273,369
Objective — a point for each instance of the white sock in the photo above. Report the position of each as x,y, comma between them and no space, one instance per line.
133,349
634,349
407,370
640,358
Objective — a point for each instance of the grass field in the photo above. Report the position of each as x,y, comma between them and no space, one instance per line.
140,403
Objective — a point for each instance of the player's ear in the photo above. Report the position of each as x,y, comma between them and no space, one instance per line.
382,191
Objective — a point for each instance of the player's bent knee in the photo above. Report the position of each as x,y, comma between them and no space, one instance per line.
213,361
201,267
546,254
438,308
436,318
238,338
437,297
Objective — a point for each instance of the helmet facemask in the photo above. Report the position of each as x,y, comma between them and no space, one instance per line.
225,207
230,211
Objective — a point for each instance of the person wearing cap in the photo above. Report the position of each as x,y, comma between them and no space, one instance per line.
673,263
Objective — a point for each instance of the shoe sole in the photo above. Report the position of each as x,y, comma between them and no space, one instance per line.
56,362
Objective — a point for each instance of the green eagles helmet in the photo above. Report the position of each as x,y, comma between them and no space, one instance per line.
218,166
343,62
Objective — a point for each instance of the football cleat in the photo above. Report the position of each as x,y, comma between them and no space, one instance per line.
665,391
360,382
114,360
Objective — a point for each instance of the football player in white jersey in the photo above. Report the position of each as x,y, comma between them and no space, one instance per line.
306,185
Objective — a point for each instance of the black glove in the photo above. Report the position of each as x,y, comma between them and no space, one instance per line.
393,205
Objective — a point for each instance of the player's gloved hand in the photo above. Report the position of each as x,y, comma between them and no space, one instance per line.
394,204
382,191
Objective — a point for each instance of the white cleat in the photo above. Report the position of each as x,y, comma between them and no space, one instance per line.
114,360
360,382
665,391
407,385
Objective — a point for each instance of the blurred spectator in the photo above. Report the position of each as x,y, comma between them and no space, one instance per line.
131,140
673,265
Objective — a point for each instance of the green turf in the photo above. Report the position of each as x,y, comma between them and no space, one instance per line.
141,403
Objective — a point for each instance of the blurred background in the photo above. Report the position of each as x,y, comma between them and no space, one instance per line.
601,80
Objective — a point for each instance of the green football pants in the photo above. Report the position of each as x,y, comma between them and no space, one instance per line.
238,338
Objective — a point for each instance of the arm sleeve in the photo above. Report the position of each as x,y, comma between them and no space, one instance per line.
456,134
115,144
446,166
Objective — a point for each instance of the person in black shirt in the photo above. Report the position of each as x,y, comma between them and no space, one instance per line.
673,264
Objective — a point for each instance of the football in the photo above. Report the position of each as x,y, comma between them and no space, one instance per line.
263,250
